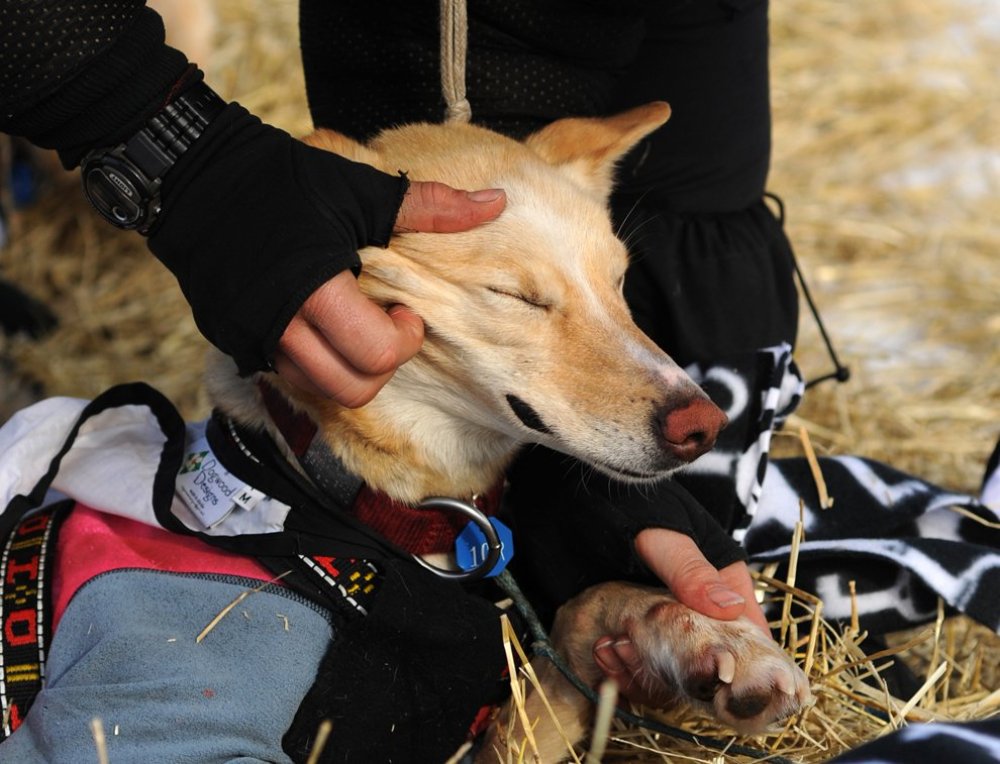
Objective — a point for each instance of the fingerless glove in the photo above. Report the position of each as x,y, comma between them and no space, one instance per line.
254,221
575,527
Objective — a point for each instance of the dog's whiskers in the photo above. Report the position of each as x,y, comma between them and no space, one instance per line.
631,237
633,208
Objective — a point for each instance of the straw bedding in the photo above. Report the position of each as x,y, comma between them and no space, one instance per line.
887,154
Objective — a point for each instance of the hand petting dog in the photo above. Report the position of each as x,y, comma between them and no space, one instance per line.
340,344
725,594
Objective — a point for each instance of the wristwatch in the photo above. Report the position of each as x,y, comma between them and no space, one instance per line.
123,182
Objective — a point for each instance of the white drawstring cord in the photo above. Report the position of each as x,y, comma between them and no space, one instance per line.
454,43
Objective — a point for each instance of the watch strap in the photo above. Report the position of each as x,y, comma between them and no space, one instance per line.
123,183
171,131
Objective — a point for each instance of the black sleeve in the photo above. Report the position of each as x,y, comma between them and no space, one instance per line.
75,76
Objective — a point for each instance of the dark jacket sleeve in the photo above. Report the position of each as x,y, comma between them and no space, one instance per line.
75,76
575,527
253,221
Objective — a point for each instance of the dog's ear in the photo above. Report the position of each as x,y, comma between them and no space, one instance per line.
330,140
588,147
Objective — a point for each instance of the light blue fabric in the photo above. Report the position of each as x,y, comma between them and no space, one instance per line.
125,652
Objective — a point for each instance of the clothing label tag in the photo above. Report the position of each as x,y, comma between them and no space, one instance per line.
247,497
472,549
208,489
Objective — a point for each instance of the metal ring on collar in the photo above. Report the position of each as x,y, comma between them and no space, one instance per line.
481,520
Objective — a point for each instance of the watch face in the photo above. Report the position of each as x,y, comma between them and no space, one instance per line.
116,191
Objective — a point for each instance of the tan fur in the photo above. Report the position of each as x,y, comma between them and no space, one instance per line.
601,137
529,305
476,338
683,654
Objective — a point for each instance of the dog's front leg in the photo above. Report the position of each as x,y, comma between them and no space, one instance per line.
505,738
579,623
731,667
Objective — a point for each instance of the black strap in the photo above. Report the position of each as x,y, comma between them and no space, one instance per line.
136,393
26,612
170,132
345,586
840,372
315,526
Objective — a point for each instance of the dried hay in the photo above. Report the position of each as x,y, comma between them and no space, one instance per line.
887,153
852,701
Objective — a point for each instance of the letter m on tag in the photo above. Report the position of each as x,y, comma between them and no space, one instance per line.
247,497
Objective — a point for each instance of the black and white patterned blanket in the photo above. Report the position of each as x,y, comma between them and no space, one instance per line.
904,542
968,743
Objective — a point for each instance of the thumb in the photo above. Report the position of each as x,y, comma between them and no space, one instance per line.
433,207
677,561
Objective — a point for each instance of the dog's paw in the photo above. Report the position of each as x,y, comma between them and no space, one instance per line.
731,667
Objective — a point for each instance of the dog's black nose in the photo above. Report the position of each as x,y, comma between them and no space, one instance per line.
690,430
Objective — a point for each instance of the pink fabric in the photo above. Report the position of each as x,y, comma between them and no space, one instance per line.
92,542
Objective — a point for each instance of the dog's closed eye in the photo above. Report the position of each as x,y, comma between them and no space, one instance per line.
529,298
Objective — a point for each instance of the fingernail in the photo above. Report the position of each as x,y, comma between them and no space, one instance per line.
398,310
485,195
725,597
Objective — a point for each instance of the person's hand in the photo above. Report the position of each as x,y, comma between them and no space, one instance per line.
677,561
674,557
340,344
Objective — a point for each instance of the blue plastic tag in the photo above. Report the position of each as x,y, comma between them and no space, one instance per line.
472,548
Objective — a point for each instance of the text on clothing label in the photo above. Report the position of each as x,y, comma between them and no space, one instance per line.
208,489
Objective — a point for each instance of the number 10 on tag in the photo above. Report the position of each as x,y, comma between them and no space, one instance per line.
472,549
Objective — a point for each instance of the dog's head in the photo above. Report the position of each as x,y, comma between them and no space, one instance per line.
528,337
